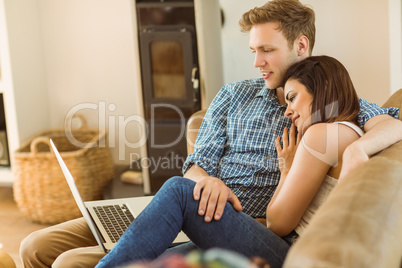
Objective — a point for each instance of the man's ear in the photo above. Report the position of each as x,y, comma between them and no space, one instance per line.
302,45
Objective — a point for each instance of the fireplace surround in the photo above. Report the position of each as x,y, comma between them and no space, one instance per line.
4,152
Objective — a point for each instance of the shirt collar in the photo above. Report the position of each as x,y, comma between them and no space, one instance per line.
268,94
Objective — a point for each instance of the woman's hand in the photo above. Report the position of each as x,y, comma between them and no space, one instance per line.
287,153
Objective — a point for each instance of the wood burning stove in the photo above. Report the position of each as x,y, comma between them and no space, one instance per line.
170,82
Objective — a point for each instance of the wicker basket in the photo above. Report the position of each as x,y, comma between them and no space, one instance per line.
40,188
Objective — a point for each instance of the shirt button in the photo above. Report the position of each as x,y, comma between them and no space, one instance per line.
274,132
257,175
243,188
267,157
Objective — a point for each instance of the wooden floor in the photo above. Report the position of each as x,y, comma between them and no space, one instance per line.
14,227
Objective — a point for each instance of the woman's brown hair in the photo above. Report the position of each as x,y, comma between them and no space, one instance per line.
294,19
328,81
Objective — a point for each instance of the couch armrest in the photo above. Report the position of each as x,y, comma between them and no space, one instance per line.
193,125
395,101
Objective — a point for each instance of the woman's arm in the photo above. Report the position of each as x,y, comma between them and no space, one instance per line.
285,156
320,149
381,132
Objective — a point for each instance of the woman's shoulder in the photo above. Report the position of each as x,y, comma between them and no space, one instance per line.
316,138
317,133
323,131
328,139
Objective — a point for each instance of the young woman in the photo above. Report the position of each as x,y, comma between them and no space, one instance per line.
323,106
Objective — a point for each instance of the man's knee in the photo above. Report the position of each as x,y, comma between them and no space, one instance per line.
79,258
66,260
34,249
177,181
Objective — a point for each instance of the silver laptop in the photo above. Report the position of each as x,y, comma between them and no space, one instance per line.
108,219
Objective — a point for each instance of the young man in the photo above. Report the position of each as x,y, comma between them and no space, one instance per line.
235,157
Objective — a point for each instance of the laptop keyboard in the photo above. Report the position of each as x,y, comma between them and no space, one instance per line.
115,219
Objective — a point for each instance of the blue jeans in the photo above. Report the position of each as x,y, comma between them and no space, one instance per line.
174,209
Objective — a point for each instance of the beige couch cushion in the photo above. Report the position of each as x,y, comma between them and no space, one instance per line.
360,225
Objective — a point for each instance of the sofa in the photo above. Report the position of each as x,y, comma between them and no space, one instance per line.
360,224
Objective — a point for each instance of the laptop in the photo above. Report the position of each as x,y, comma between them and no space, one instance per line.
108,219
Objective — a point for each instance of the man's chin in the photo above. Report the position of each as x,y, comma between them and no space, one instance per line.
271,85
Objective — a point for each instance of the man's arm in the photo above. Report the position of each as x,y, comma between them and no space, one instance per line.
381,132
214,196
204,161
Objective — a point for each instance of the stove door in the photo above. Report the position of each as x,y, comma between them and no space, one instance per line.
169,70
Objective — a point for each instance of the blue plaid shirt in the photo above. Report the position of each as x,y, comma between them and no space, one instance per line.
236,141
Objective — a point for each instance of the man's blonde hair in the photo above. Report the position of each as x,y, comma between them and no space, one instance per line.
294,19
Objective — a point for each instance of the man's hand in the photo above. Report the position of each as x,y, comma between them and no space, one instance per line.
213,199
353,156
214,196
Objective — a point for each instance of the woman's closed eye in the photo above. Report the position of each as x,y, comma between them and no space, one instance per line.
291,98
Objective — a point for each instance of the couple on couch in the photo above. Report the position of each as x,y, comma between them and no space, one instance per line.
241,174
